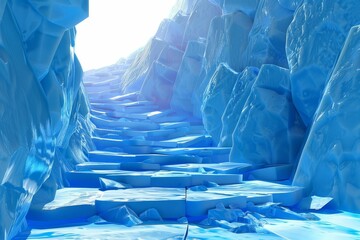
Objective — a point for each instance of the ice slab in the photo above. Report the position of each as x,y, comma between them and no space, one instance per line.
118,124
198,203
201,151
225,167
88,166
169,202
284,194
118,157
69,204
109,231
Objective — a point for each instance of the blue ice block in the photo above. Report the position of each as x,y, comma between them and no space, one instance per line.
329,163
276,135
232,112
216,97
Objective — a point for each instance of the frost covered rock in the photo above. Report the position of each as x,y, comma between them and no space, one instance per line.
216,96
269,130
314,41
227,41
188,76
232,112
329,163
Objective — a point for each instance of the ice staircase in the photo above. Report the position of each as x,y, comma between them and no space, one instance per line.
155,174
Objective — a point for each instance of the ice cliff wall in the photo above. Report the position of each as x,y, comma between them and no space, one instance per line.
44,127
265,78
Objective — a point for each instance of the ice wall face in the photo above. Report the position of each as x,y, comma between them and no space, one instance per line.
43,111
329,163
314,41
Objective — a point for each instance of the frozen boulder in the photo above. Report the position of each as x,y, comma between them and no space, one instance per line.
171,57
329,164
268,35
246,6
314,41
199,21
227,41
158,84
134,76
232,112
216,96
188,77
269,130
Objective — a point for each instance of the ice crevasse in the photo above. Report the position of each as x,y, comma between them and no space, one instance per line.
274,80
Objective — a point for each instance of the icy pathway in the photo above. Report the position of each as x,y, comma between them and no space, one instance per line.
156,175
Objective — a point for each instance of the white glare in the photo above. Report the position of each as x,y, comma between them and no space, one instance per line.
116,28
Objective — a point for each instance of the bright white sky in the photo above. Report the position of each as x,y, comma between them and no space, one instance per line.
116,28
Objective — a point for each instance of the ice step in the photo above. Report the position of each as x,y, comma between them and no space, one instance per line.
199,151
169,202
118,124
225,167
148,178
69,204
199,202
284,194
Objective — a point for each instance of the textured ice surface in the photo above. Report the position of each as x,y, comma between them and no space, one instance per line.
328,165
275,137
314,41
216,96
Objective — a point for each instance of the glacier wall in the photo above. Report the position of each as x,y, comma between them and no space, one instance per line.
266,79
44,123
